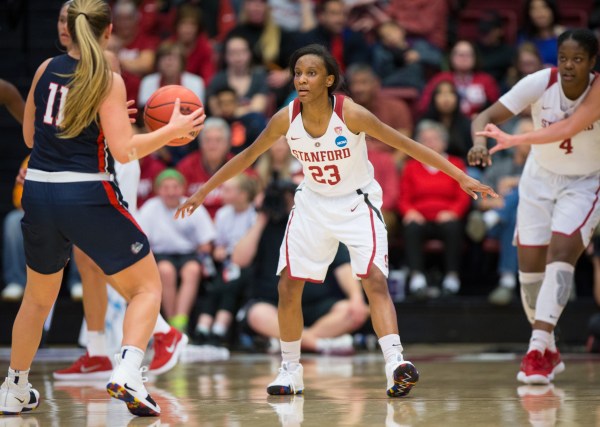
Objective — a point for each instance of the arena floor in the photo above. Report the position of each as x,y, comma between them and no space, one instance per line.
459,386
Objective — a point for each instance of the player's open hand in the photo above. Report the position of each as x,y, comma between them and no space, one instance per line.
479,156
503,140
187,124
471,186
190,205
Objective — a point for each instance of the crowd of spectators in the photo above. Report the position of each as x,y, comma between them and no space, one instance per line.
404,61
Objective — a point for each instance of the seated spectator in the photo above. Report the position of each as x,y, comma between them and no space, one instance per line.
134,49
278,163
221,299
400,61
177,245
541,28
170,70
328,316
347,47
271,45
199,166
432,206
245,128
497,218
444,107
496,55
239,72
527,61
477,89
426,19
13,250
197,50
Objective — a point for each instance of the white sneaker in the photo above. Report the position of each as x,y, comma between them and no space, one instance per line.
289,408
287,382
127,385
13,292
402,376
15,399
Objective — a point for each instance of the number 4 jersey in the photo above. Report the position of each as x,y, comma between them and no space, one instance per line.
335,163
578,155
87,152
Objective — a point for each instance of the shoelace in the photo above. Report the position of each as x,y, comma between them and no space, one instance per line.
143,369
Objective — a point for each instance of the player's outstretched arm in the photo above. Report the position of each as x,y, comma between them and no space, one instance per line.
123,144
584,116
11,98
276,128
360,119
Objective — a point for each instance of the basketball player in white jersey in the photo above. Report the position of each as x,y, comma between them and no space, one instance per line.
338,201
558,206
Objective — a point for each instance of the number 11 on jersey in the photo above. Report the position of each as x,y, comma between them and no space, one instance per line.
48,118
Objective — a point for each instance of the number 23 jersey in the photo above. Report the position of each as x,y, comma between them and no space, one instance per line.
335,163
578,155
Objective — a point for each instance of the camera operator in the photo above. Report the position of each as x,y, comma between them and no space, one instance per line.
332,310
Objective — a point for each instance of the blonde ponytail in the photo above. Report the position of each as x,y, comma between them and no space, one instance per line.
87,20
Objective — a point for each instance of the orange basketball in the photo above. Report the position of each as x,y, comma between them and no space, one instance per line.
159,108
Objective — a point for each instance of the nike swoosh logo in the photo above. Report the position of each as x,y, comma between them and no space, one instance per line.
129,388
89,369
20,400
295,138
171,348
354,208
546,108
395,345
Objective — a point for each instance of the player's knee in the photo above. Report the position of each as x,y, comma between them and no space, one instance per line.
289,290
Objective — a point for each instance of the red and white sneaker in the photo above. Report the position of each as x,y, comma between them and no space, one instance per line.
86,368
556,362
167,349
535,369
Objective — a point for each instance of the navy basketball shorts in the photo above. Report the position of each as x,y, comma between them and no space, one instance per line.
91,215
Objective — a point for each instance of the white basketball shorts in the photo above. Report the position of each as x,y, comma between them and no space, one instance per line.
318,223
551,203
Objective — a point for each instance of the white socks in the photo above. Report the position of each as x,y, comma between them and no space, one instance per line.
132,356
161,327
539,341
96,345
290,353
391,348
20,378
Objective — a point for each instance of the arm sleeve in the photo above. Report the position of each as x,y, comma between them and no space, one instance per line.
526,92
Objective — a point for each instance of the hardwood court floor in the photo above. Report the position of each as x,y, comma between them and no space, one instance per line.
459,386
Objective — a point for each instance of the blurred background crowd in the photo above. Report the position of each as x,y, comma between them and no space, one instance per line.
424,67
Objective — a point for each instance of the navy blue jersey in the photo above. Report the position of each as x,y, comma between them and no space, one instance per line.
88,152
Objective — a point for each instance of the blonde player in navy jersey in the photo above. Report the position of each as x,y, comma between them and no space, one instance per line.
76,121
338,201
558,191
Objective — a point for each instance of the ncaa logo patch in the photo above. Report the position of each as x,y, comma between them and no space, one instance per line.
341,141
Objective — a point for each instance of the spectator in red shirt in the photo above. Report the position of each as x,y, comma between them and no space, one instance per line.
433,206
477,89
427,19
199,166
199,54
134,49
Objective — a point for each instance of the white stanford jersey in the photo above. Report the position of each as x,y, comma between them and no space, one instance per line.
335,163
578,155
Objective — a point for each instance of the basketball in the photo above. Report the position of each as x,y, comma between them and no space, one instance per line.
159,108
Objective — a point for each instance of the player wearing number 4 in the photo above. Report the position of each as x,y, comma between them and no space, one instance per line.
75,121
558,191
338,201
